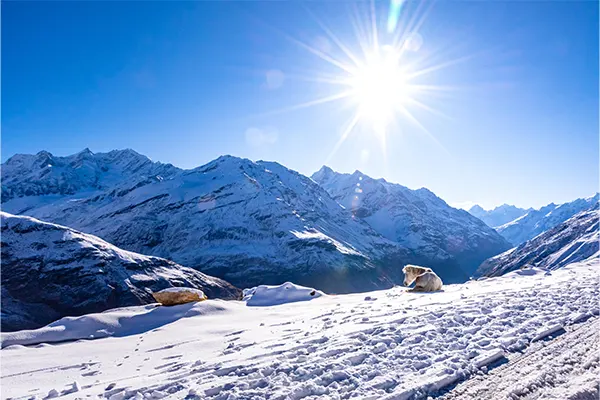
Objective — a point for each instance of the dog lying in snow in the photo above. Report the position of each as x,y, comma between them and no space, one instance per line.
425,279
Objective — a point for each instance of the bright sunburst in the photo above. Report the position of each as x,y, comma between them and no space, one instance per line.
377,81
379,87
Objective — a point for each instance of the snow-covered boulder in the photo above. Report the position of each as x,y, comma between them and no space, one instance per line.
179,295
265,295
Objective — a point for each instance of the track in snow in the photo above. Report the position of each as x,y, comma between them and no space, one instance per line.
388,344
566,368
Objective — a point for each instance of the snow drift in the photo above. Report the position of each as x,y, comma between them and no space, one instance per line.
118,323
288,292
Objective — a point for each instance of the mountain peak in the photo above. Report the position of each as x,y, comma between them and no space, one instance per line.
476,209
86,152
324,173
43,153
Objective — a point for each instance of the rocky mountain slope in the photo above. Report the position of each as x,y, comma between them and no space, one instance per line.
417,219
576,239
499,215
537,221
25,175
51,271
249,223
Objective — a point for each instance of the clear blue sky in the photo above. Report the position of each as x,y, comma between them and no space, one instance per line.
185,82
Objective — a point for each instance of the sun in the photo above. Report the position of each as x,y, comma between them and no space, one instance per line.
379,87
378,74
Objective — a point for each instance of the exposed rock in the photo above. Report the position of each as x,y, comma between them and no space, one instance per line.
51,271
179,295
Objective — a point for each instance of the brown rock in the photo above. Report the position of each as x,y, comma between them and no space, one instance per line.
174,296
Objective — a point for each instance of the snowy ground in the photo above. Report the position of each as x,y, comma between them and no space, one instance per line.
566,368
389,344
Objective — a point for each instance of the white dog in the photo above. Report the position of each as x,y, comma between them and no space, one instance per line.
426,279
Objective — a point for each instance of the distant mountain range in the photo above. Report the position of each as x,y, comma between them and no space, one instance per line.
531,222
251,222
576,239
499,215
536,222
51,271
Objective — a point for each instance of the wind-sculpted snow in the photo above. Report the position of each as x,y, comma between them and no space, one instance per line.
50,271
390,344
450,240
536,222
498,216
249,223
288,292
576,239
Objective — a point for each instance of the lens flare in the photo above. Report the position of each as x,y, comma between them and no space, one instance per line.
380,81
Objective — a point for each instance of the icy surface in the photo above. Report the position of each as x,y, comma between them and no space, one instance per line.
393,345
288,292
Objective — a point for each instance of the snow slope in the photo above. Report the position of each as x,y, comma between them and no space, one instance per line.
576,239
390,344
567,368
448,239
499,215
249,223
50,271
537,221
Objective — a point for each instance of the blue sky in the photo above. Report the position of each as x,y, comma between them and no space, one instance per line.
515,95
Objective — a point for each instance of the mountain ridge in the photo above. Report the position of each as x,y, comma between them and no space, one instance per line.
247,222
51,271
574,240
499,215
417,219
543,219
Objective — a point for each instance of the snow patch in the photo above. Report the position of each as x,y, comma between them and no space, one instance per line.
265,295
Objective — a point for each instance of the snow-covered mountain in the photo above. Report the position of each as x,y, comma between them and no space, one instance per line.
499,215
25,175
417,219
537,221
50,271
576,239
249,223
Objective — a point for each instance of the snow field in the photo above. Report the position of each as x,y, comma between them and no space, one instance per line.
389,344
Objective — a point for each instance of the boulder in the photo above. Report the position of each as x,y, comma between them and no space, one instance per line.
179,295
